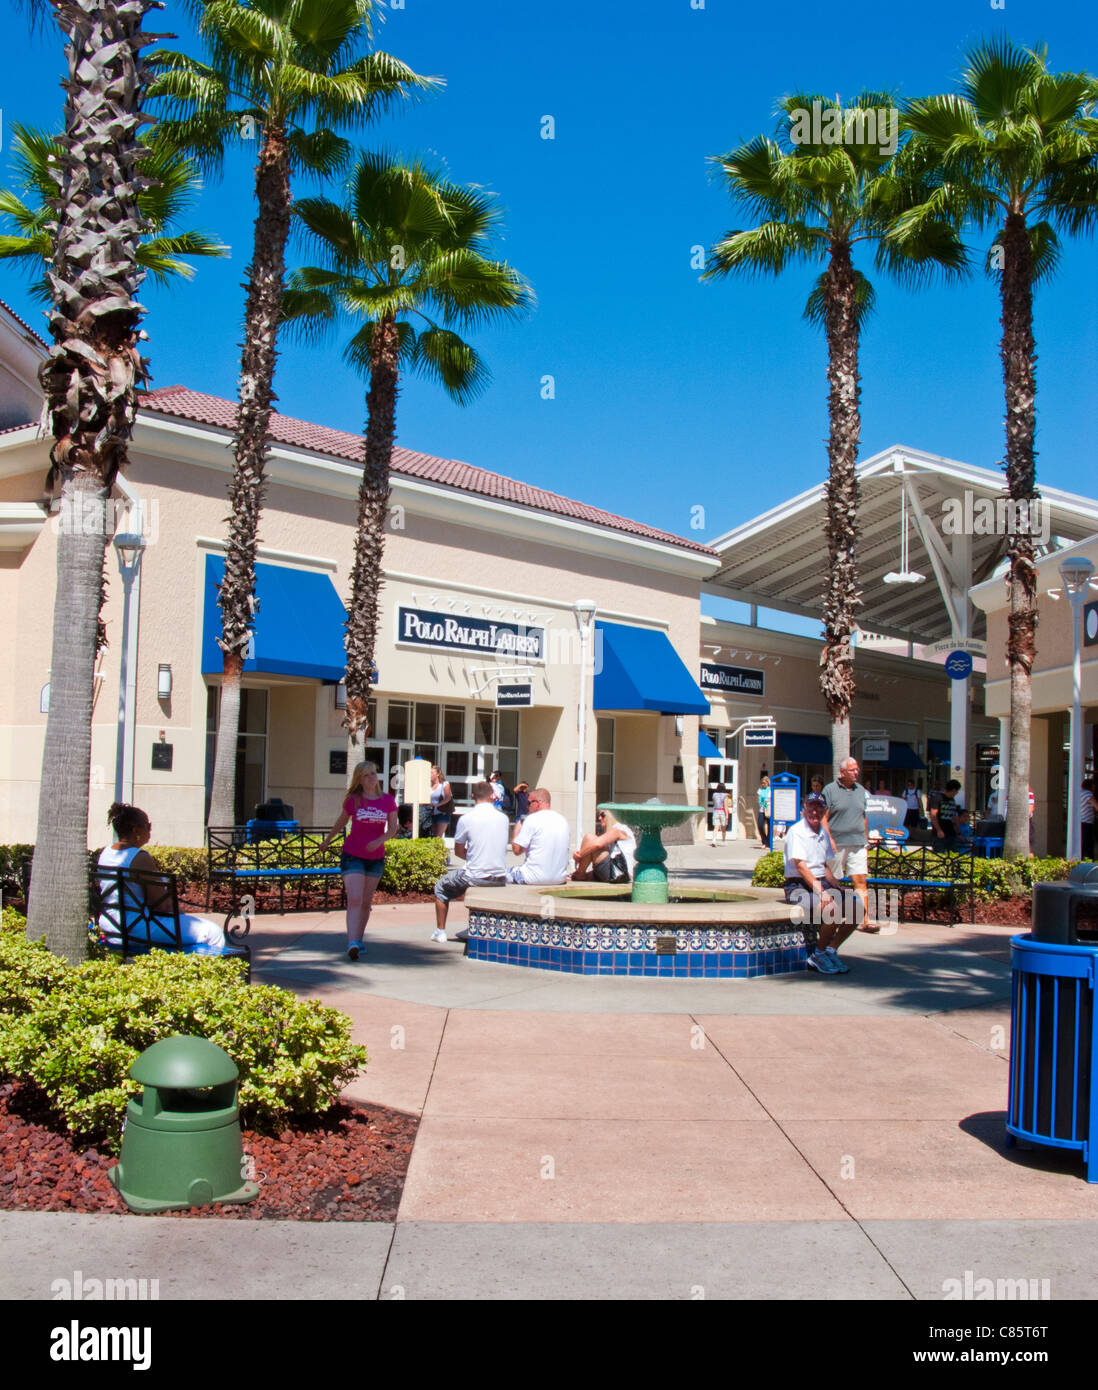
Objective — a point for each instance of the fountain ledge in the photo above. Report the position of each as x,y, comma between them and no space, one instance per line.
542,927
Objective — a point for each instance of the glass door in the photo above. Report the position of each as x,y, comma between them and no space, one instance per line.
462,765
726,770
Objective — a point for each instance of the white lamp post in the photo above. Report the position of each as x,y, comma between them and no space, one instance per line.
584,609
129,546
1076,574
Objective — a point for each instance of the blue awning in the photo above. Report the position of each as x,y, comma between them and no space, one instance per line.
902,755
299,625
706,747
938,748
805,748
640,670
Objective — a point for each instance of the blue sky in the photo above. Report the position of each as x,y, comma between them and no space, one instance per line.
669,394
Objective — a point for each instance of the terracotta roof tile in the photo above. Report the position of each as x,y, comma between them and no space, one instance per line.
185,404
22,322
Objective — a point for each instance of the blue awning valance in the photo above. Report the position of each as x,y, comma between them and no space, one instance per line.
299,626
706,747
938,748
640,670
902,755
805,748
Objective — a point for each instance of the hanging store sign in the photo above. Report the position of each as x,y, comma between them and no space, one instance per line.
421,627
875,750
516,695
760,738
731,680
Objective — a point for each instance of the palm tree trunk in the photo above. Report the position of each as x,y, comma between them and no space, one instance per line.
88,379
373,501
1017,350
841,498
257,366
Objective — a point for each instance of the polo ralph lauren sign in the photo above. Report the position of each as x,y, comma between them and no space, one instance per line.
732,680
420,627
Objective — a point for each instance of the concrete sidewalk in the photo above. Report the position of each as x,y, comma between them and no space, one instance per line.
792,1137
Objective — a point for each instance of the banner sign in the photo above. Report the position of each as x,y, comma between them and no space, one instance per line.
420,627
972,645
731,680
519,695
1090,624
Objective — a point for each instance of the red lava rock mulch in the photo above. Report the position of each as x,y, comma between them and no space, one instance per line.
1005,912
192,897
348,1164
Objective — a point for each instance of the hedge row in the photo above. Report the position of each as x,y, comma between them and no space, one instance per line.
994,879
75,1031
411,866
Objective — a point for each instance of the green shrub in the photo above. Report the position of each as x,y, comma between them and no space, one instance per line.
10,920
769,871
413,866
75,1031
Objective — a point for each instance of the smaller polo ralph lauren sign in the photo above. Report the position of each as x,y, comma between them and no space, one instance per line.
734,680
422,627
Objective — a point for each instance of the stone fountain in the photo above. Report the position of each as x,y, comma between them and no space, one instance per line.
652,929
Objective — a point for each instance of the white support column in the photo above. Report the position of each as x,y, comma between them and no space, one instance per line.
1004,765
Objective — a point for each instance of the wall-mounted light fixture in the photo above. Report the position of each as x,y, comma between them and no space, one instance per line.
164,682
680,725
341,695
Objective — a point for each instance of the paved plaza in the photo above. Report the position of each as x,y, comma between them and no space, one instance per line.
791,1137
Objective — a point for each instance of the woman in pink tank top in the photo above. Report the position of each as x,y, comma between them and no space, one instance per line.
373,817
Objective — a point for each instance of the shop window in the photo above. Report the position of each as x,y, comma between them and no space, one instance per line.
426,724
453,724
604,773
400,719
483,720
507,728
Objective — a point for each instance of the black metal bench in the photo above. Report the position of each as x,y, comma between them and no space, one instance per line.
135,911
237,858
891,865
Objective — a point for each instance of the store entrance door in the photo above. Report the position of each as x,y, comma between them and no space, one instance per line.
726,770
462,765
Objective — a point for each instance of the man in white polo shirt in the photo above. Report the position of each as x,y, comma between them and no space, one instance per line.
545,840
481,840
810,882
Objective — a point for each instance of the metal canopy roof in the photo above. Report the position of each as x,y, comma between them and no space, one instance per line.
779,560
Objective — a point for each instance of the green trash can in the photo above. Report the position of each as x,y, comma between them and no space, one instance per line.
181,1144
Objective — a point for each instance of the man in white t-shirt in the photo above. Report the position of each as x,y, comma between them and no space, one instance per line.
481,840
810,883
545,840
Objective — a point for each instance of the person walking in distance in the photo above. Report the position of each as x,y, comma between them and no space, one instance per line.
846,823
764,808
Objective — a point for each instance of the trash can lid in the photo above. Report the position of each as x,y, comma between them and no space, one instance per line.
1084,873
180,1062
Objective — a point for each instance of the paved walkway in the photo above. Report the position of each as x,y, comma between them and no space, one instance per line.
588,1137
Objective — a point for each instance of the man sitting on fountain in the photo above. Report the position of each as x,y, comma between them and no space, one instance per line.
545,839
481,840
810,882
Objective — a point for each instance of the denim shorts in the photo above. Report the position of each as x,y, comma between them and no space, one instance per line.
352,864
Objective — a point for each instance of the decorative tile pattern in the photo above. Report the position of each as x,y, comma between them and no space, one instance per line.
735,951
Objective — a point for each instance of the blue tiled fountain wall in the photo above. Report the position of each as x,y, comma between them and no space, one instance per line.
739,951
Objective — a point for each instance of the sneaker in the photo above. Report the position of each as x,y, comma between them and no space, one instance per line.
438,934
352,952
821,961
841,968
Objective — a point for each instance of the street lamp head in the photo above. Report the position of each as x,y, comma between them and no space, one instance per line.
1076,573
584,609
129,545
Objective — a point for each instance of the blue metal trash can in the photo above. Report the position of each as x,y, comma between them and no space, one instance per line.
1053,1092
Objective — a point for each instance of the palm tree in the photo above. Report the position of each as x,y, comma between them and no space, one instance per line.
95,225
173,189
290,72
833,177
406,257
1018,149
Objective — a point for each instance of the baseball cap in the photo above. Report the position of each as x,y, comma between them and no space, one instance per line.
815,799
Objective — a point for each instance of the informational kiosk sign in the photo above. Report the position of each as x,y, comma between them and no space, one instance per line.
785,804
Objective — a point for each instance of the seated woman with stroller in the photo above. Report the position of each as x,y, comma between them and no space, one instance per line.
606,856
